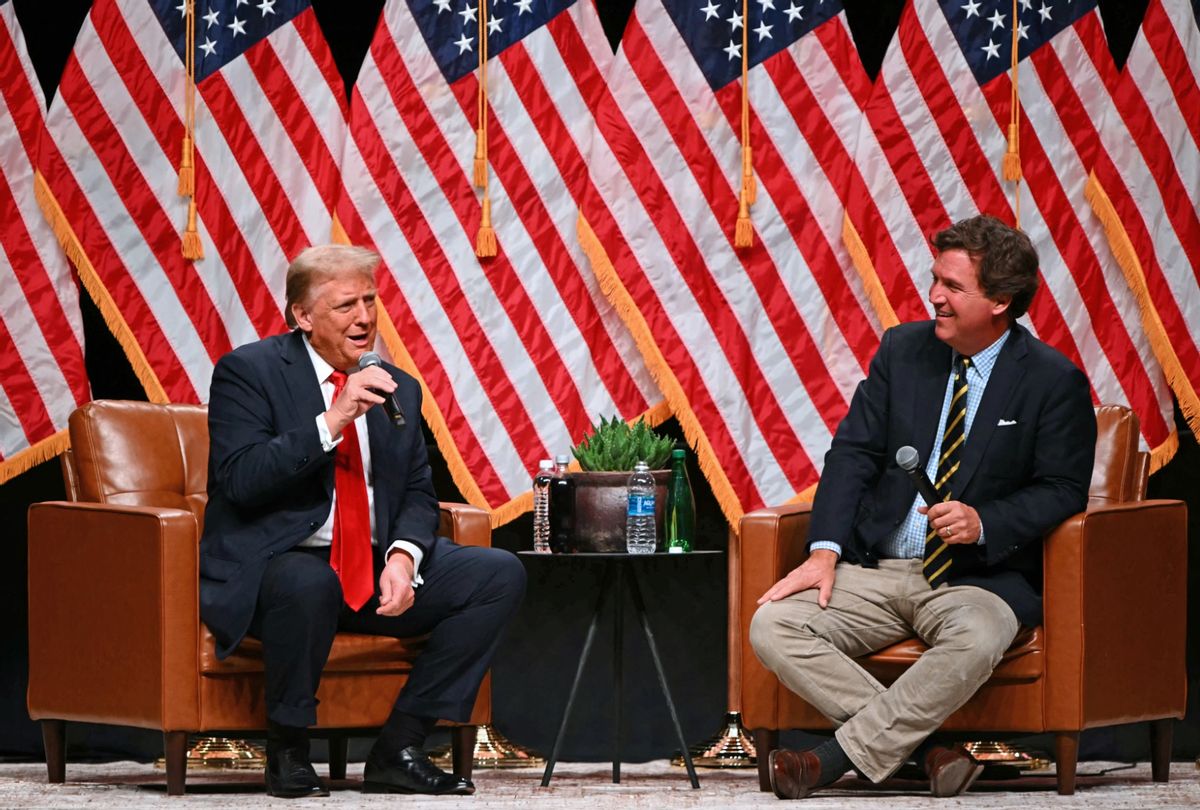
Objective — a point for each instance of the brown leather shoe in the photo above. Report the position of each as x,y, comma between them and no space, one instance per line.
794,774
951,770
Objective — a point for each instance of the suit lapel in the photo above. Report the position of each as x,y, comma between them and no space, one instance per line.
932,371
1009,368
300,378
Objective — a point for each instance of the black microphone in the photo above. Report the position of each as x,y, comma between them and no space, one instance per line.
390,403
910,461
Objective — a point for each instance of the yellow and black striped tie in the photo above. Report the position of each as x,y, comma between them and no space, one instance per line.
937,559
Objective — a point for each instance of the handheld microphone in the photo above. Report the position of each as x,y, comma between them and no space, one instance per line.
390,403
910,461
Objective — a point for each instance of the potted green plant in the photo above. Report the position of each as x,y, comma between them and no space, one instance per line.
607,455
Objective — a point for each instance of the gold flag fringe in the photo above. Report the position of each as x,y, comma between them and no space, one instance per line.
33,455
622,301
96,289
866,271
1160,342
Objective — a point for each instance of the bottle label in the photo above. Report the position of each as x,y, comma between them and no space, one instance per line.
640,505
676,550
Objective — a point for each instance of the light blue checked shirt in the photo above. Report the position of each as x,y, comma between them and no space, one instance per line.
908,541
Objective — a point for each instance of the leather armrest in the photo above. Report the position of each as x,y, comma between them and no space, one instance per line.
465,524
771,543
1115,612
113,614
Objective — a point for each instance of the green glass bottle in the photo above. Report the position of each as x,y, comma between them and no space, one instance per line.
680,515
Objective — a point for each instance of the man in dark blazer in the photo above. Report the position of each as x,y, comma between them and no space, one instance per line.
293,551
1005,427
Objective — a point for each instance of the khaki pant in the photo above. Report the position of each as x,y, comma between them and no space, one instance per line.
812,651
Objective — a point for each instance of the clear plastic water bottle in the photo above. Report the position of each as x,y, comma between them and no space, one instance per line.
562,507
639,517
541,506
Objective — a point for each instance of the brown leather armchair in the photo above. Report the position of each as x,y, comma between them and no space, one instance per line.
115,634
1110,650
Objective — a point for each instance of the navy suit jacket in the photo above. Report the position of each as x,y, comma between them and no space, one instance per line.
1024,476
270,485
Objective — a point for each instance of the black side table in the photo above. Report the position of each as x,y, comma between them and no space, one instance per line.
613,582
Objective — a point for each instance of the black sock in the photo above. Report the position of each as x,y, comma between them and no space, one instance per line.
403,730
834,762
281,736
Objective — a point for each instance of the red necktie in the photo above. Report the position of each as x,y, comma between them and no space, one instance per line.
350,554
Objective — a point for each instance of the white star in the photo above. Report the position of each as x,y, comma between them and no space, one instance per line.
243,2
1026,4
735,21
972,9
524,5
267,7
211,18
997,20
1044,11
209,47
468,14
763,31
443,5
734,51
494,25
767,4
992,49
710,10
237,26
182,8
794,12
464,43
1022,30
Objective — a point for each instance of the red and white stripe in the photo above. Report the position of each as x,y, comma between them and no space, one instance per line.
521,352
933,157
269,130
1149,169
762,348
42,374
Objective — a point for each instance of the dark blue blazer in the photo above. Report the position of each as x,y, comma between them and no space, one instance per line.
1024,477
270,485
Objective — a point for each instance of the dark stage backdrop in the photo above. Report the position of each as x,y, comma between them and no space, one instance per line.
537,659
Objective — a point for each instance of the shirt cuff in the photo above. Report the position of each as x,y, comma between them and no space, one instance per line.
413,551
327,440
825,545
979,542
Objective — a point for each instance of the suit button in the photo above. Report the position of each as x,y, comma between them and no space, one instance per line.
312,525
271,555
304,459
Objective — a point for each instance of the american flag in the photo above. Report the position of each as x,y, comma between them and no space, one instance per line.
1147,188
520,352
758,350
939,116
42,374
270,121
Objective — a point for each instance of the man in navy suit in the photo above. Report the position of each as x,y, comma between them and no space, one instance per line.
278,558
1009,437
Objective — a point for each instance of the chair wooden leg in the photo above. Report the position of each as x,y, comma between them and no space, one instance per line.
462,750
175,748
1066,754
1161,732
766,740
54,740
339,749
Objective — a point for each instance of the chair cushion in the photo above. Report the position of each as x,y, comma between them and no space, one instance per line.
352,652
1024,660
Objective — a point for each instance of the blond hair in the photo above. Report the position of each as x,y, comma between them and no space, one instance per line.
321,263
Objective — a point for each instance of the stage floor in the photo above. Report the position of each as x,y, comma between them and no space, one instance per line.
589,785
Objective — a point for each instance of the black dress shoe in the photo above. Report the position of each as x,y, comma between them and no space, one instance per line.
410,771
290,774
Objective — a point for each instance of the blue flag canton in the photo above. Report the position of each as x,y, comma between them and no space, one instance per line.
983,29
451,28
225,29
713,30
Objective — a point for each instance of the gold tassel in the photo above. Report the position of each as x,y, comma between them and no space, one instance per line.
485,240
1010,166
1012,158
749,186
481,175
192,249
187,171
743,234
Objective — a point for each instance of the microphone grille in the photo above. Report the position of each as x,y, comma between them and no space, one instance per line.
370,359
908,458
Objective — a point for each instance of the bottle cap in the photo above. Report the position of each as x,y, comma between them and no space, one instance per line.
545,464
641,466
678,453
563,459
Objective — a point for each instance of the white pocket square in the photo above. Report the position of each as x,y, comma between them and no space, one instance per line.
1006,422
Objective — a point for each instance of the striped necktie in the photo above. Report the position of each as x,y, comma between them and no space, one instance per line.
937,559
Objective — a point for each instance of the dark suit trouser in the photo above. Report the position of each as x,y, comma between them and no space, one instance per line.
468,596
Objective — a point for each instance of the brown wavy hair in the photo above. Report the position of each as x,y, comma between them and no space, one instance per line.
1005,258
